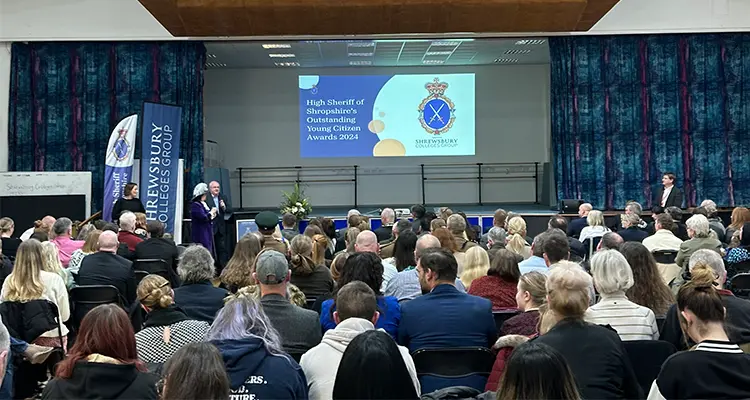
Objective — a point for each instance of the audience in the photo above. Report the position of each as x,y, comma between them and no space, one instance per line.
387,249
737,310
740,216
372,367
319,250
561,223
10,244
556,248
368,241
635,208
202,366
445,317
496,238
712,213
612,278
63,231
166,328
313,279
498,221
664,237
456,224
536,262
476,265
387,219
698,230
298,328
289,224
717,368
251,349
356,312
90,246
610,241
447,241
649,289
537,371
608,374
595,228
577,225
267,223
103,363
500,284
403,251
197,296
365,267
632,232
45,224
158,247
127,230
238,272
107,268
51,263
437,223
516,240
739,254
531,294
680,229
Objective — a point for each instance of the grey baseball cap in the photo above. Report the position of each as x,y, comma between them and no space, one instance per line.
271,268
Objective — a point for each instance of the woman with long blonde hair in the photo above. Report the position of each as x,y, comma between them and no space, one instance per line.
51,263
516,239
476,263
239,270
740,215
319,246
90,246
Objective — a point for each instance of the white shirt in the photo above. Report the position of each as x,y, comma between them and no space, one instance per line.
665,195
663,239
389,271
631,321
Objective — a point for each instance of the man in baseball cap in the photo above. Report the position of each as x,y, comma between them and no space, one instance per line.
299,328
267,223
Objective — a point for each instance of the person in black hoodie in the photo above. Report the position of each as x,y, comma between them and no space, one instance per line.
103,363
252,353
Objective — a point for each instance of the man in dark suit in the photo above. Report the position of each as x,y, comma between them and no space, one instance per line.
387,217
157,247
576,247
670,195
576,226
218,201
631,231
445,317
107,268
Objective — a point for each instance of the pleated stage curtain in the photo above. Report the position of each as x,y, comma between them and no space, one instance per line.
626,109
66,98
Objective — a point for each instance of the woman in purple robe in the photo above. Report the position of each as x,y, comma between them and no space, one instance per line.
202,217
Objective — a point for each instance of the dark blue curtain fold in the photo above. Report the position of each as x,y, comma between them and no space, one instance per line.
626,109
66,98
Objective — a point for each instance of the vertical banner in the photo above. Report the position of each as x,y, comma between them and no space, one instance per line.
118,162
160,170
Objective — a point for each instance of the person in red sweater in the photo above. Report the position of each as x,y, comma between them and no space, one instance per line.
532,293
499,286
127,230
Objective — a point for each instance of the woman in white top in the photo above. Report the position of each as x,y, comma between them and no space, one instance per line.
596,227
51,263
612,277
30,282
516,239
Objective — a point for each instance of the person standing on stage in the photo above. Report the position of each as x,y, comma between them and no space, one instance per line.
128,202
202,215
669,195
219,202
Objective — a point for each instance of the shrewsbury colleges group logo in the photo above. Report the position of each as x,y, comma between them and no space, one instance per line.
436,111
122,147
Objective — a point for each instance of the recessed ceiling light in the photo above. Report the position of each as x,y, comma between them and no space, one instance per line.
287,64
530,42
433,61
216,64
277,46
360,62
281,55
438,53
506,60
360,54
446,43
518,51
211,55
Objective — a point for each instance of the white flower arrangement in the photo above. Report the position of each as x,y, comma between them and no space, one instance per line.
294,202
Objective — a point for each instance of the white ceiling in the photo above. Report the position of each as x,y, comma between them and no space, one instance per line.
380,53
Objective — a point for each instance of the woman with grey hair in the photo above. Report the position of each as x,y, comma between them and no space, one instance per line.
699,232
197,296
251,349
201,216
612,278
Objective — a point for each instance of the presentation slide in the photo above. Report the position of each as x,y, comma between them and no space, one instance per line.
386,115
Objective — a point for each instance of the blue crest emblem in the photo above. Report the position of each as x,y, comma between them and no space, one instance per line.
122,147
436,112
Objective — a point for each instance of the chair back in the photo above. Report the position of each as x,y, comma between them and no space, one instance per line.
85,298
502,316
139,275
155,266
665,256
309,302
740,285
660,323
647,357
454,362
590,245
738,268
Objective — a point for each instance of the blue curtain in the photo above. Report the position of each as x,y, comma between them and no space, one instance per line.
626,109
66,98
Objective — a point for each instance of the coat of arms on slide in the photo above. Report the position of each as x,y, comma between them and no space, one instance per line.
436,112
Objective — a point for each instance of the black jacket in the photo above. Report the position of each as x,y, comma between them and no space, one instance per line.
95,380
576,226
673,200
200,301
384,232
102,268
27,321
159,248
633,234
122,205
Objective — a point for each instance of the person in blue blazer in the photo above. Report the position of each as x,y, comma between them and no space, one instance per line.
445,317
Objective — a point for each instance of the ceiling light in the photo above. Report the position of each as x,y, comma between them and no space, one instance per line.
438,53
446,43
518,51
433,61
281,55
277,46
287,64
360,62
211,55
530,42
360,44
215,64
506,60
360,54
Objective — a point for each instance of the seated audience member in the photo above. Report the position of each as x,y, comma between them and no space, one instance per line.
716,368
166,327
737,310
498,220
649,289
537,371
536,261
202,366
531,294
6,267
103,363
496,238
350,239
444,317
387,249
373,367
680,229
631,232
238,272
51,263
365,267
267,223
356,312
635,208
556,248
447,241
319,250
610,241
329,231
609,374
698,230
417,213
663,238
577,225
476,265
403,251
437,223
516,240
739,254
197,296
595,227
127,231
313,279
353,217
561,223
712,213
388,218
251,349
63,230
289,224
29,281
10,244
44,224
368,241
456,224
740,216
157,247
122,248
612,278
107,268
90,246
298,328
141,226
500,284
40,235
655,211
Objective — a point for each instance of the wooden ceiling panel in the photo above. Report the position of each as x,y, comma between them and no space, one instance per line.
212,18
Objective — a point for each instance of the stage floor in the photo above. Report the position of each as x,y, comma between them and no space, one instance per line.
485,210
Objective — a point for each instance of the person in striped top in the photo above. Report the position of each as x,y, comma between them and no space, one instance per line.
612,277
